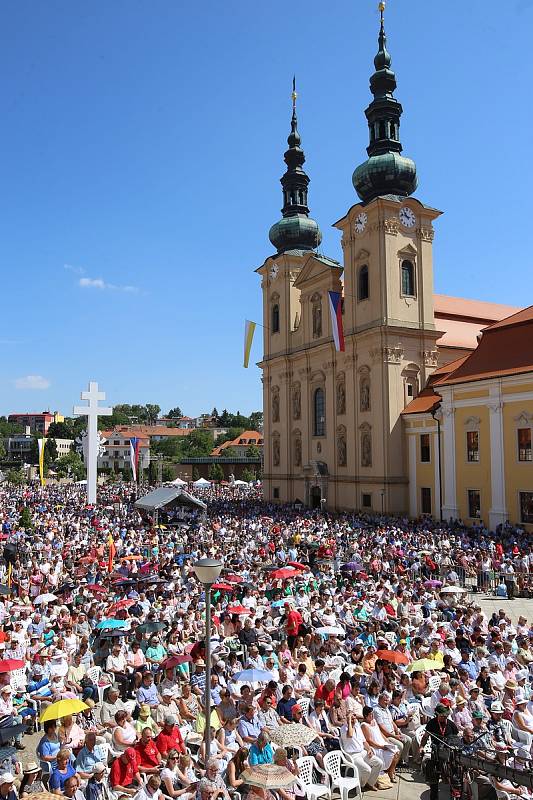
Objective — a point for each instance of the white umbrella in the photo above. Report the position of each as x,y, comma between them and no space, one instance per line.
202,482
178,482
44,598
253,676
331,630
453,590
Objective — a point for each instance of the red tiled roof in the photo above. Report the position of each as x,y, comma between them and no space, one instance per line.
461,320
426,401
252,437
147,430
505,349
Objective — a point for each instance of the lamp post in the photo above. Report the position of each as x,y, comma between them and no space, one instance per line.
207,571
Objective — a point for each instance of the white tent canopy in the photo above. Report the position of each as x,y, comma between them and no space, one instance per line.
177,482
202,482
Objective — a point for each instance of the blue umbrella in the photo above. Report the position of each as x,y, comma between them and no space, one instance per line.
253,676
110,624
278,603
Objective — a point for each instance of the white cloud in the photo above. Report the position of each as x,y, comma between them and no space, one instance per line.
32,382
99,283
74,269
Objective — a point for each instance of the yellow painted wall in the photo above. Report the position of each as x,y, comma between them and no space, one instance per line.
518,474
472,475
473,395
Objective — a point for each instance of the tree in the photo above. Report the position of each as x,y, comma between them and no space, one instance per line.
2,449
256,420
61,430
197,444
252,451
195,474
16,477
229,452
175,413
71,465
9,428
248,475
25,520
167,473
216,473
152,413
50,451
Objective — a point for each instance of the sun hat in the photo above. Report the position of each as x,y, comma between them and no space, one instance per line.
7,777
31,766
460,701
477,714
496,708
511,685
144,710
98,768
520,697
442,709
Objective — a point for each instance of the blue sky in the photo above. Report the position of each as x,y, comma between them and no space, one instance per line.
141,150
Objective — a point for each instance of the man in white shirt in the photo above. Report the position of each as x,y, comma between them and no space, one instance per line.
389,729
116,663
359,752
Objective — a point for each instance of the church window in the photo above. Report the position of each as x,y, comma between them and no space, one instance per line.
526,507
524,444
366,500
472,446
474,503
382,130
408,278
426,499
363,284
392,130
275,318
319,407
425,448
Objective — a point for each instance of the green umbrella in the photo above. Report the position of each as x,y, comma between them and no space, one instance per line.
151,627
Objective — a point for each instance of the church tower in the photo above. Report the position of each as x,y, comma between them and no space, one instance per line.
332,426
388,285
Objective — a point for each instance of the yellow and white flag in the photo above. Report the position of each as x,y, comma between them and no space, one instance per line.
249,330
41,443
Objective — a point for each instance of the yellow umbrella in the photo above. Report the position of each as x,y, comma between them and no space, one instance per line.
424,665
62,709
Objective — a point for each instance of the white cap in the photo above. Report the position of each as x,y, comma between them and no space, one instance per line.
7,777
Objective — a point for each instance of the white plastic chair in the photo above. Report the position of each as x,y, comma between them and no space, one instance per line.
426,707
103,750
434,683
333,762
95,674
18,678
307,767
304,703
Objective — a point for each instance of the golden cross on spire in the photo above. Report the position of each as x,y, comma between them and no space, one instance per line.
294,94
381,9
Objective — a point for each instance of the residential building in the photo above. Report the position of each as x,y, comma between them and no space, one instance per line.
38,422
469,432
241,444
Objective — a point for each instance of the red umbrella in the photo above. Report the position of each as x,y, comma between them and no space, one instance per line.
10,664
223,587
234,578
394,656
297,565
237,610
120,606
175,661
284,572
95,588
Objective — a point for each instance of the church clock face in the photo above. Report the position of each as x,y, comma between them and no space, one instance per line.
407,217
360,222
274,269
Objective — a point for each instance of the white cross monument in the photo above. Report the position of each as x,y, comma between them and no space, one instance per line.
92,412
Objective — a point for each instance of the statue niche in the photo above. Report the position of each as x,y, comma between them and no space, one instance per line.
366,449
364,392
317,316
275,451
275,405
341,447
297,450
341,397
296,403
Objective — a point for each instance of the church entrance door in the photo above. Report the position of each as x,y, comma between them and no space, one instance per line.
316,496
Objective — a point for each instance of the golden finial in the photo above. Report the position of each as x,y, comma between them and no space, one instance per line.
381,7
294,94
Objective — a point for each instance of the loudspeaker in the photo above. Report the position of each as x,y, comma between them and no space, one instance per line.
10,553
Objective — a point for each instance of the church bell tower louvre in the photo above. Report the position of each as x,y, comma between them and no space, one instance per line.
333,431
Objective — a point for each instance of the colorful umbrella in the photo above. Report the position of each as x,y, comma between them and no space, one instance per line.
11,664
151,627
176,661
253,676
432,584
63,708
44,598
284,572
111,624
121,605
238,610
95,588
331,630
297,565
223,587
293,735
268,776
394,656
424,665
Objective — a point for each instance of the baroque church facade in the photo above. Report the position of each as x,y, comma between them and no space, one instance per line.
333,429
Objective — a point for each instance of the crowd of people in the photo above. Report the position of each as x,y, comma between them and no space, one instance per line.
332,633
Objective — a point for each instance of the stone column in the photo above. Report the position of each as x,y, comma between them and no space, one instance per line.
449,507
413,488
498,510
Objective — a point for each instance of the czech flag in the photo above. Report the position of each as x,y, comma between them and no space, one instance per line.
134,455
335,307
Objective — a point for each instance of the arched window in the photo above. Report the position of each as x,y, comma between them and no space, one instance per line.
275,318
408,278
319,407
363,290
